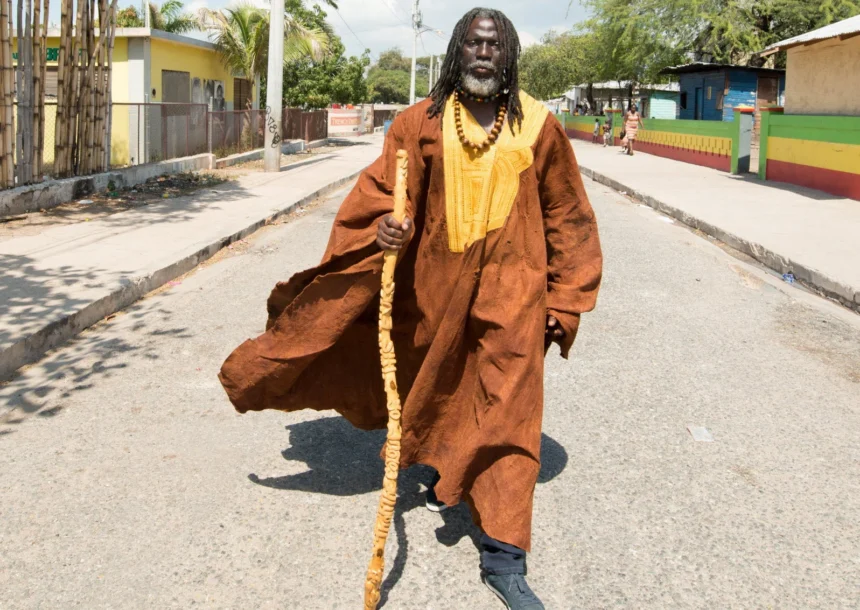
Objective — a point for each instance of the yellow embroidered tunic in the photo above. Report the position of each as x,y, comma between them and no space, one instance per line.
481,187
502,238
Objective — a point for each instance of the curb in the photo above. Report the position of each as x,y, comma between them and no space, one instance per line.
290,147
813,279
46,195
33,347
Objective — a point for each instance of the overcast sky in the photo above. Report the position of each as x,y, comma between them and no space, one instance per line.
383,24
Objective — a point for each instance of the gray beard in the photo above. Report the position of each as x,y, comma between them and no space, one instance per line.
480,87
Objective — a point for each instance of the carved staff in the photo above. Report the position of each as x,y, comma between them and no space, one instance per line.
389,378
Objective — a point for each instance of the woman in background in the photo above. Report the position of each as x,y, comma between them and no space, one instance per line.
632,122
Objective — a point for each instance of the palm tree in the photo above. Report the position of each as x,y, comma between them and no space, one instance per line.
168,17
241,36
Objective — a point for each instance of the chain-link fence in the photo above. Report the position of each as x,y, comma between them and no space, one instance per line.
236,131
143,133
146,133
150,132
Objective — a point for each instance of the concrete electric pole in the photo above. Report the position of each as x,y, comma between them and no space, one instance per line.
275,87
416,30
430,78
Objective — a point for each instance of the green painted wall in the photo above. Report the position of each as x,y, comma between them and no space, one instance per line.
836,129
700,128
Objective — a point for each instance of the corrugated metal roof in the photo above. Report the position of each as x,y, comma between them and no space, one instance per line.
845,27
703,66
623,86
672,87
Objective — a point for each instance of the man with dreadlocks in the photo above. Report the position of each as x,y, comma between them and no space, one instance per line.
499,257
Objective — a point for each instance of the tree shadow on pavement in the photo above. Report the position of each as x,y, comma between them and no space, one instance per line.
129,338
345,461
28,293
131,215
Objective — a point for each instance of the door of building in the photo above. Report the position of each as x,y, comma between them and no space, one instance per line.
175,120
700,102
242,94
175,86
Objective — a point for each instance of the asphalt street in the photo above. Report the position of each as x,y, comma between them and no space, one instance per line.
128,481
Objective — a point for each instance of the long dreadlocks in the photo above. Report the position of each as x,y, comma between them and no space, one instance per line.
452,70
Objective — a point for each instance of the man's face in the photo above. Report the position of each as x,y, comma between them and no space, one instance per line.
482,59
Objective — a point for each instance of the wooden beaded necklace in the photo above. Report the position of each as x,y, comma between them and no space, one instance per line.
487,98
491,138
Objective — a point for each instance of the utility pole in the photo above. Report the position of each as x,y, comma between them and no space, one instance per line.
430,72
274,87
416,28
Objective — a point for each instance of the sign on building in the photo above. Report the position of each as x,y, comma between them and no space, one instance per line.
342,122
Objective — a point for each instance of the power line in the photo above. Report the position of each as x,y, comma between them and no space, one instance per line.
396,16
350,29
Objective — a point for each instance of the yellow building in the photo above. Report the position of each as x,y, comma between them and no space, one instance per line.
151,69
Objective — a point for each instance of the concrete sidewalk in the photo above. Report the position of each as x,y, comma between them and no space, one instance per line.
808,233
56,283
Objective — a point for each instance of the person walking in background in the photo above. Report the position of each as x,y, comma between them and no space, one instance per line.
607,131
595,137
632,122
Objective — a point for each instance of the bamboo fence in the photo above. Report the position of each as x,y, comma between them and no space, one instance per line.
83,87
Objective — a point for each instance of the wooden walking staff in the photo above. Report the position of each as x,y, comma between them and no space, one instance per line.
389,378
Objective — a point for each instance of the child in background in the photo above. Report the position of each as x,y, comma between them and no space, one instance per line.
607,131
595,138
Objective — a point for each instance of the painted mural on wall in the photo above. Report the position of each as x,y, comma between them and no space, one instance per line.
197,93
215,95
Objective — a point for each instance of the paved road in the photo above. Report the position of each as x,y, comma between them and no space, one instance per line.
129,482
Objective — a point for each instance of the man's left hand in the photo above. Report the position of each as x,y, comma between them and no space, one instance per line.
554,332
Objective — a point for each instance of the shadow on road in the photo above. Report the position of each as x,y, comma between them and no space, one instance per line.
345,461
45,388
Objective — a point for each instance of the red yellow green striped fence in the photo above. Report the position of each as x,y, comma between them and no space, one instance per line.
819,152
709,143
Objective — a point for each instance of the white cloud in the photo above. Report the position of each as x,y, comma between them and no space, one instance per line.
195,5
526,39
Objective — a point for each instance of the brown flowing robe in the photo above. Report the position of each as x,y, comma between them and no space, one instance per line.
468,325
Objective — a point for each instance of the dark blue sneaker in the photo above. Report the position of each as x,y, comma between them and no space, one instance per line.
432,502
513,590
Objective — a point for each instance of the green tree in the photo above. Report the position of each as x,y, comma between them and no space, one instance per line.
639,38
336,78
561,61
736,29
241,36
388,80
128,17
633,40
168,17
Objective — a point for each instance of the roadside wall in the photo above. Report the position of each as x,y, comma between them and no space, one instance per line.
581,127
819,152
707,143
